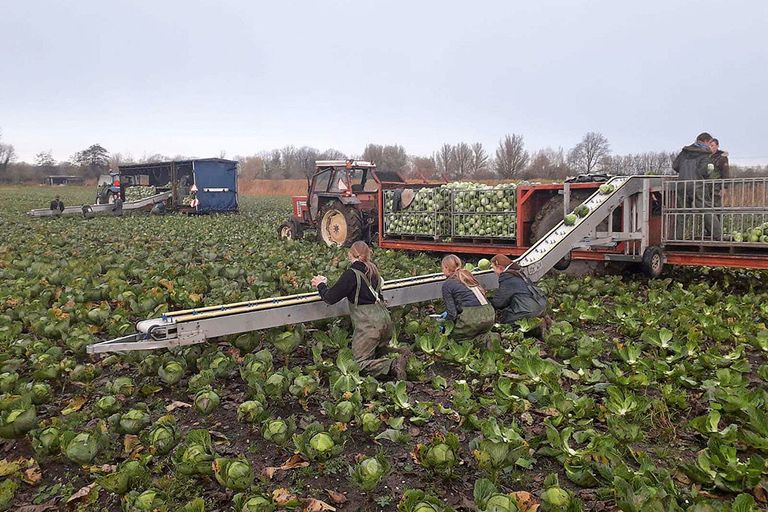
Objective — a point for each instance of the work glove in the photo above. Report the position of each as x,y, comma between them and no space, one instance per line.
444,315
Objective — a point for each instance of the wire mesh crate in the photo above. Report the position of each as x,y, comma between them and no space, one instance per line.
484,225
716,212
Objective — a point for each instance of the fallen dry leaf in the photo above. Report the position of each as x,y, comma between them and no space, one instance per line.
74,405
525,501
336,497
318,506
131,445
105,468
761,494
33,474
82,493
294,462
176,405
283,496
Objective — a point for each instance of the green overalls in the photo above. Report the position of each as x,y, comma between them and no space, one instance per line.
372,329
474,320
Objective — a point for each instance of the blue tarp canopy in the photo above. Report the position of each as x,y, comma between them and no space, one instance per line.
216,182
215,179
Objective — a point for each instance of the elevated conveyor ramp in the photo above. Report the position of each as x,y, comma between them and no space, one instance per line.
97,209
561,239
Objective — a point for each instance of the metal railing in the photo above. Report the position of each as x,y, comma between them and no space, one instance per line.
716,212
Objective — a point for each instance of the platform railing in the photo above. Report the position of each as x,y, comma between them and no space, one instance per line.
730,211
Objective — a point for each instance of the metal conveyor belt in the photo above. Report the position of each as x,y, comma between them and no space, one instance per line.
102,208
198,325
561,239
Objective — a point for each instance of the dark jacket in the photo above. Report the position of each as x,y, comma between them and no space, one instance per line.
57,204
722,169
346,286
514,299
692,162
457,296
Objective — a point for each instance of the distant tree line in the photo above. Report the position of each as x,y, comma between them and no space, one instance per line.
510,159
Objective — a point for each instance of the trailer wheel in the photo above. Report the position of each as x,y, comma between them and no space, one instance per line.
653,262
340,225
289,230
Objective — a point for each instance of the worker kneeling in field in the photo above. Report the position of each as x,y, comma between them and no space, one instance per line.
465,302
361,285
517,297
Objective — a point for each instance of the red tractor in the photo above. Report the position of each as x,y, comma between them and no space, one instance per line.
342,202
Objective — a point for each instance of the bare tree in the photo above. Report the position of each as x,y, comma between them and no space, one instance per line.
391,157
331,154
7,155
306,157
424,168
462,159
272,163
547,163
44,160
289,164
444,160
588,154
394,158
373,152
118,159
511,156
479,166
251,167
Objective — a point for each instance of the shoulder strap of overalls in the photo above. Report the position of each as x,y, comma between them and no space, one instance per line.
478,294
361,277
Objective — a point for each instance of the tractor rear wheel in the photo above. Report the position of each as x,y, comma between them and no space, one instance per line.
340,225
290,230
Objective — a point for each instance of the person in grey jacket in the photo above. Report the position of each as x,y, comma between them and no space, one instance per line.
693,161
465,302
693,165
517,297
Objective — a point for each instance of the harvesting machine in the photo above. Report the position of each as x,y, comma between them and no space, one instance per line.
643,220
203,185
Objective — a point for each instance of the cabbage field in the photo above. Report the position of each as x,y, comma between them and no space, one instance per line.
644,395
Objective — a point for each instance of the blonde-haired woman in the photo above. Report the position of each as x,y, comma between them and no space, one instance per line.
372,324
465,302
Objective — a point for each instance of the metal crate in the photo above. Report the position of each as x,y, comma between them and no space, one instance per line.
420,224
484,225
476,214
715,212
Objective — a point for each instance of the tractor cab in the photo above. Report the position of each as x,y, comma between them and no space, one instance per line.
108,188
341,202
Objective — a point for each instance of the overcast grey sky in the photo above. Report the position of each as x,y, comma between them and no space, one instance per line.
195,78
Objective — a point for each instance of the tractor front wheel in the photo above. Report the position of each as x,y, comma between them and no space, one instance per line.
289,230
340,225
